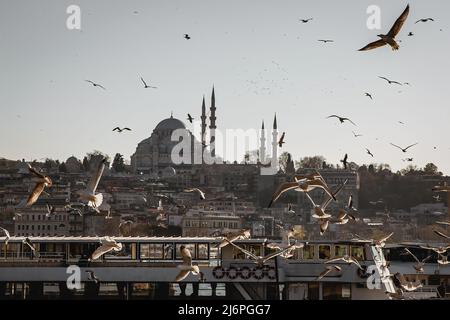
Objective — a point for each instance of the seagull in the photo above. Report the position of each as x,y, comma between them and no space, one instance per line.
368,95
329,269
260,260
407,285
50,210
342,217
410,34
281,141
286,242
92,276
233,236
145,84
28,242
186,267
325,41
350,203
408,159
437,198
389,38
190,118
120,130
304,185
94,200
96,84
319,210
107,245
186,36
443,260
7,235
419,265
200,192
439,250
346,258
344,161
380,242
424,20
42,182
390,81
71,209
290,208
323,225
404,149
356,135
369,153
341,119
401,122
441,234
306,20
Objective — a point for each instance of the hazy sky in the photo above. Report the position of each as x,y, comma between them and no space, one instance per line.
260,58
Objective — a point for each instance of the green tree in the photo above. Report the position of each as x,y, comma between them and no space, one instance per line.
315,162
430,168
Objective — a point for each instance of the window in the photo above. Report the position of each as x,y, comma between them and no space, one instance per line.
202,251
190,247
357,252
313,291
324,252
340,251
151,251
308,252
168,251
336,291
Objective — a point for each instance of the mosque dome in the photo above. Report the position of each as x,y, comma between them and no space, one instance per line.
170,124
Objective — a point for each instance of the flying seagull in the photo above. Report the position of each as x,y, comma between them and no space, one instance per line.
233,236
389,38
346,258
120,130
325,40
145,84
92,276
424,20
107,245
404,149
410,34
281,141
186,267
186,36
50,210
341,119
94,200
190,118
28,242
356,135
369,153
42,182
200,192
443,235
408,159
7,235
329,269
96,84
390,81
368,95
344,161
418,266
306,20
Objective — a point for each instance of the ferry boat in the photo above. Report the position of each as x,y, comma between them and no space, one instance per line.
146,268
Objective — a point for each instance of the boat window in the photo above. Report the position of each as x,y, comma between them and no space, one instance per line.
340,250
313,291
357,252
336,291
168,251
151,251
308,251
125,253
202,251
190,247
324,252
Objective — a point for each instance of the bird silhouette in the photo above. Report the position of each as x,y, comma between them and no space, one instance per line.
341,119
147,86
190,118
281,141
325,40
390,81
96,84
424,20
369,153
356,135
389,38
186,36
368,95
306,20
120,130
344,161
410,34
404,149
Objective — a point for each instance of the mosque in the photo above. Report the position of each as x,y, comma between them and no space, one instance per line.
153,155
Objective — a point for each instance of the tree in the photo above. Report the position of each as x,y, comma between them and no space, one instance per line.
284,160
118,163
315,162
430,168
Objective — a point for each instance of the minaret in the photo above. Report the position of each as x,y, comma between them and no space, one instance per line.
275,141
212,126
262,146
203,117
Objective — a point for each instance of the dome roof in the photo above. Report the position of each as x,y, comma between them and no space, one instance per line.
170,124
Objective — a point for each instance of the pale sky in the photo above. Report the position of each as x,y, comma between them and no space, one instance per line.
257,53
